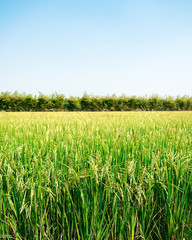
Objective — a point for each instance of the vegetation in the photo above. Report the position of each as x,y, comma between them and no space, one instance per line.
95,175
56,102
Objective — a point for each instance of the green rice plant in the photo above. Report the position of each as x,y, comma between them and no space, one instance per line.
96,175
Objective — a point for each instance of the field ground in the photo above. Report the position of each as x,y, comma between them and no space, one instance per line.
96,175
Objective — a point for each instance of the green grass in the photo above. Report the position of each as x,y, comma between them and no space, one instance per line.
96,175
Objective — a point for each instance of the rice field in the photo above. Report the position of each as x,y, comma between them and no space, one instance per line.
96,175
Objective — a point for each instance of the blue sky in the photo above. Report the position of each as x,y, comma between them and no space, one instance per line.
133,47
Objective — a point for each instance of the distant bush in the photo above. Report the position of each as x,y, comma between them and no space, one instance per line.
55,102
30,103
72,104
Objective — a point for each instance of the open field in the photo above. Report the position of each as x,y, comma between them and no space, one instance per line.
96,175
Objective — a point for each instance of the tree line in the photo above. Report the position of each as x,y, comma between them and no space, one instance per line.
58,102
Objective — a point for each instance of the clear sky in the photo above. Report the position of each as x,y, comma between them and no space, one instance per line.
132,47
